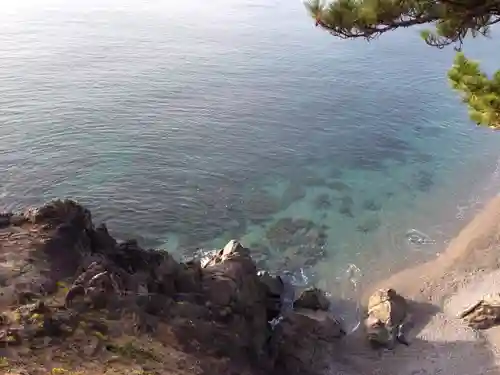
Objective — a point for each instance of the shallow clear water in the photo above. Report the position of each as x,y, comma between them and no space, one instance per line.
185,125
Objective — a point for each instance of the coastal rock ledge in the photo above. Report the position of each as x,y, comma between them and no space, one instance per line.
73,300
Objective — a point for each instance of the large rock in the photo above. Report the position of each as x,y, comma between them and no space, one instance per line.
97,283
237,296
5,219
101,239
60,212
305,343
387,317
49,247
275,289
188,277
233,249
274,284
312,298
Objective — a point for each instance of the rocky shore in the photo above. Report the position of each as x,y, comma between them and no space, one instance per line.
74,300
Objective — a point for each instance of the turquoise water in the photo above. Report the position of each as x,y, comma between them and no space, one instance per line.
185,125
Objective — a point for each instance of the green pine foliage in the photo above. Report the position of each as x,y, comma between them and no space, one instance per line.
451,20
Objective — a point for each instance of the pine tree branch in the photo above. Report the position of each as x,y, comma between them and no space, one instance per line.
349,19
453,20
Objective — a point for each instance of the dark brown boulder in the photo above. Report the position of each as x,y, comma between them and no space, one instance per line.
238,298
164,274
274,284
5,219
97,284
101,240
188,277
275,289
59,212
312,298
230,278
305,342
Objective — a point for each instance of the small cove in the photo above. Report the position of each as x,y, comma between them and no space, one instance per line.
182,128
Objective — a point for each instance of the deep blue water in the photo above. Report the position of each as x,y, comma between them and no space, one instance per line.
185,125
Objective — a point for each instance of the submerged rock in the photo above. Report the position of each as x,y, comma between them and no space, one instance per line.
236,228
369,225
288,232
308,177
322,202
299,241
314,181
261,205
423,180
294,192
294,259
423,158
371,205
429,131
370,162
346,205
338,186
261,254
336,172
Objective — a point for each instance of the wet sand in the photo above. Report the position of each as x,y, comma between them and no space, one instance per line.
439,290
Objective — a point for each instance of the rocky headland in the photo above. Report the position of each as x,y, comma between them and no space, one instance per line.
73,300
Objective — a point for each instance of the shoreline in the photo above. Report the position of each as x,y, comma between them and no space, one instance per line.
441,218
438,290
217,295
470,252
73,299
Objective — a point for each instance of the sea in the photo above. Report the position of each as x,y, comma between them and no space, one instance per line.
187,124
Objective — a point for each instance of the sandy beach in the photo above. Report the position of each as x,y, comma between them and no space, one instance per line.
440,343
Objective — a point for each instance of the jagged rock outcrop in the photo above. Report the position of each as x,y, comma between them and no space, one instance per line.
312,298
275,290
305,341
67,284
307,336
